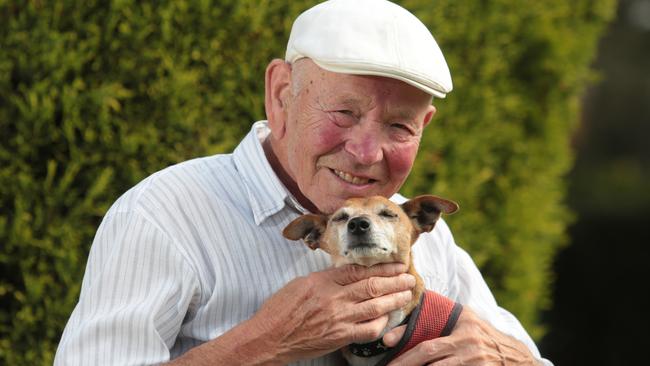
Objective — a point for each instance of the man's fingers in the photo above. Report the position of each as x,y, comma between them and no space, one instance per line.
425,353
393,337
379,286
373,308
369,330
351,273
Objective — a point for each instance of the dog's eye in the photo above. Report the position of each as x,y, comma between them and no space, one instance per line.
341,217
387,214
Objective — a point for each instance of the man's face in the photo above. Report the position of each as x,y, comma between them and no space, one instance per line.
349,136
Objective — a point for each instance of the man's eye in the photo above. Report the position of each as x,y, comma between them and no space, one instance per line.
343,118
387,214
402,127
346,112
341,217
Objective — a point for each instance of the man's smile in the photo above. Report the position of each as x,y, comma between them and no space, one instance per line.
352,179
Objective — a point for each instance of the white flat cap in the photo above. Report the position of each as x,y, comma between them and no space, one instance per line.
370,37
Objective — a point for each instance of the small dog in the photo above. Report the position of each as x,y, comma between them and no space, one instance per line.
367,231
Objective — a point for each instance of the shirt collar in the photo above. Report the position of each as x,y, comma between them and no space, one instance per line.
266,193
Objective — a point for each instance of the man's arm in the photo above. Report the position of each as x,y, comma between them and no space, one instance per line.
136,291
139,287
311,316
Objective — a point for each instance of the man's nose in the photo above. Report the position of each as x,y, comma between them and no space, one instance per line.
364,145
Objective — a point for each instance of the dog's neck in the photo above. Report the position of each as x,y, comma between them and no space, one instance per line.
396,317
418,289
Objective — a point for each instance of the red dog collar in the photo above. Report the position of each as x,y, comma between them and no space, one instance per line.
434,317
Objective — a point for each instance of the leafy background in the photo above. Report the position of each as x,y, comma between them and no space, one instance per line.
96,95
600,316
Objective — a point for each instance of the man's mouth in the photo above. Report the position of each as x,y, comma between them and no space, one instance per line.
359,181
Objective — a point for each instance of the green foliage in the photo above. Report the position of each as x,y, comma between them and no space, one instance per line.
500,144
96,95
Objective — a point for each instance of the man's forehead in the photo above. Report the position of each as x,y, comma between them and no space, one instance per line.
356,90
309,69
338,98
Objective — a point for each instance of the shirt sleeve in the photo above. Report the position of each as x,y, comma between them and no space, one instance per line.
468,287
136,291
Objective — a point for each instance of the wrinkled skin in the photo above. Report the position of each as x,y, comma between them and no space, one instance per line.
336,136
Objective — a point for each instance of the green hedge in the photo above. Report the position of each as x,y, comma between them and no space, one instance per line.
96,95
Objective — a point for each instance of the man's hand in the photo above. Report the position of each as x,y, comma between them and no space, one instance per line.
311,316
472,342
326,310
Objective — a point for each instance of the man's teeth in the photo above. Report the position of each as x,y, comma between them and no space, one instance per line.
351,178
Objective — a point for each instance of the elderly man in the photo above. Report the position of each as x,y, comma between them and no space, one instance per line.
190,266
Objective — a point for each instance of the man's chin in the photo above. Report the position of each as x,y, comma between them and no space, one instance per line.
328,208
329,203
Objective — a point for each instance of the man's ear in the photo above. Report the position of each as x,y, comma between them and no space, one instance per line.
277,87
309,227
429,115
424,211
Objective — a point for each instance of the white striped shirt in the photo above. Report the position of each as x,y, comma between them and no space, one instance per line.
195,249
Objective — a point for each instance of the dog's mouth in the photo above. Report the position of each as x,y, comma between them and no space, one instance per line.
363,247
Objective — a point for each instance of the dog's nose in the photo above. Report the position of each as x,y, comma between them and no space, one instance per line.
358,226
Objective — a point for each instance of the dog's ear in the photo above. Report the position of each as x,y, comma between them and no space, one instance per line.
424,211
309,227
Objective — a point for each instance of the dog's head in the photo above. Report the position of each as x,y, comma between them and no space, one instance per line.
370,230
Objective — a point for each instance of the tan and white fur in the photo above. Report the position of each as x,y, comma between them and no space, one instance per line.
372,230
